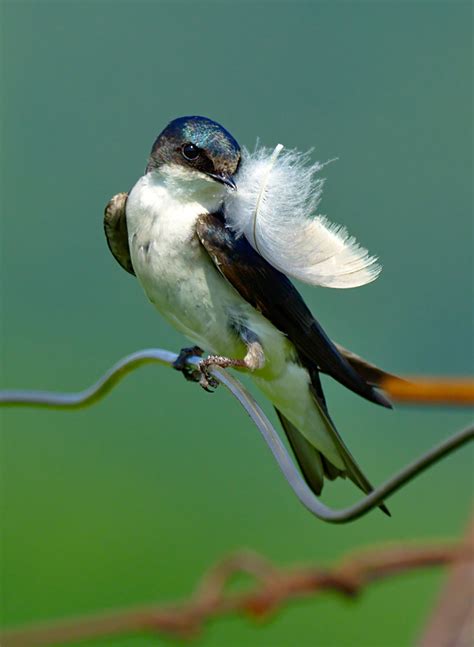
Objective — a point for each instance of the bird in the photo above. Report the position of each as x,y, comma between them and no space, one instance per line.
211,284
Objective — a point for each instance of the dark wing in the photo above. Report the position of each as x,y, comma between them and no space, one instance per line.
115,228
270,292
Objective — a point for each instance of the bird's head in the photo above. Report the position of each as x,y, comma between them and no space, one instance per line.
196,149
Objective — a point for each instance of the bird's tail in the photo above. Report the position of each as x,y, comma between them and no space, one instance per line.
313,464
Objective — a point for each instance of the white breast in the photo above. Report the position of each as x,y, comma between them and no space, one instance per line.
174,269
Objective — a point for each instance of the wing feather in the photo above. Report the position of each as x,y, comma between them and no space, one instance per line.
116,233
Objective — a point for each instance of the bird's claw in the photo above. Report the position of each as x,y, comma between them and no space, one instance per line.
206,380
201,373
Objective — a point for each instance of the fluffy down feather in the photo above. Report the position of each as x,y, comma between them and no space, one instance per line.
274,208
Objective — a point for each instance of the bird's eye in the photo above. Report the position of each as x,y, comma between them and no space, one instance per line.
190,152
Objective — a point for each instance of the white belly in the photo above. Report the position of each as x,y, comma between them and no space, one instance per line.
172,266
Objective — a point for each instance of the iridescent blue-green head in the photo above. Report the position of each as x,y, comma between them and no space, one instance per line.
198,145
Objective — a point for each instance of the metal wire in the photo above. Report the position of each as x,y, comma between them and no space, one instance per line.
108,381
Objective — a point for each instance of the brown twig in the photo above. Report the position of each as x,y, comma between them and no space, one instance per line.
452,622
273,588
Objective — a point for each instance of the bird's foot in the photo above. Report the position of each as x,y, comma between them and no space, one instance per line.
191,373
202,373
207,381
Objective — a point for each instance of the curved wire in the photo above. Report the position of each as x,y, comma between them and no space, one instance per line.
106,383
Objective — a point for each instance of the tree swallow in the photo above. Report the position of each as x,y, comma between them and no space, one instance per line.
208,281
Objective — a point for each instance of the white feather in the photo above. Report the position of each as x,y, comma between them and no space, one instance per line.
274,208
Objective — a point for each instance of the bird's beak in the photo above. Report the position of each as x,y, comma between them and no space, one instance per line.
224,178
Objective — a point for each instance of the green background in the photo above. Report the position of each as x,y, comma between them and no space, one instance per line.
130,501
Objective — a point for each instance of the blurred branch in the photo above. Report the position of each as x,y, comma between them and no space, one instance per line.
273,588
433,390
106,383
452,622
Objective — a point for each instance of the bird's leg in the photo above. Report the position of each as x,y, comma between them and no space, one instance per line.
181,364
253,360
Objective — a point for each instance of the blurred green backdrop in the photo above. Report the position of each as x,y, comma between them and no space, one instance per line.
130,501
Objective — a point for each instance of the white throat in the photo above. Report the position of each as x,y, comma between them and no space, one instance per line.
171,197
186,185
